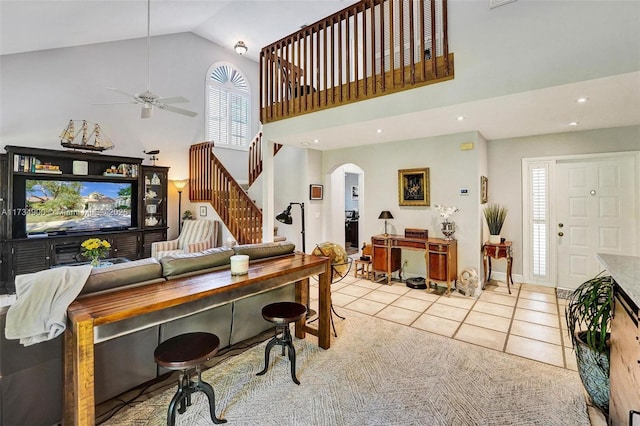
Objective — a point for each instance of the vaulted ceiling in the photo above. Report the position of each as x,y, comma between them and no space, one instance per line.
614,99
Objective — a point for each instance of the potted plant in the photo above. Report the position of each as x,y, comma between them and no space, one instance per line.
495,215
187,215
588,315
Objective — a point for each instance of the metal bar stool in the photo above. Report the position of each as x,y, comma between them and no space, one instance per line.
184,353
282,314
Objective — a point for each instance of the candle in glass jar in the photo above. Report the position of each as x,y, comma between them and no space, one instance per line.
239,264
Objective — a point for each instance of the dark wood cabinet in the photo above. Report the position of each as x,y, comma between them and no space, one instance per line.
3,221
126,245
150,237
154,196
28,256
117,188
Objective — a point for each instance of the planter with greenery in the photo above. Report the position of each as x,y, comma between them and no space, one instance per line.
588,315
495,215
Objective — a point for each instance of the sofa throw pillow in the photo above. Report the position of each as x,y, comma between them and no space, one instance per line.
182,263
260,251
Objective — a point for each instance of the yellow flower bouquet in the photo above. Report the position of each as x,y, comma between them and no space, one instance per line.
94,249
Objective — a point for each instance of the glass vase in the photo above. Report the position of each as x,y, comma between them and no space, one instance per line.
95,261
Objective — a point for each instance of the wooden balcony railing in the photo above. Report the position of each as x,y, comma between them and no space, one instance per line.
372,48
209,181
255,157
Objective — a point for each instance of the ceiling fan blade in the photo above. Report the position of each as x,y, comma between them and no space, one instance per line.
174,100
114,103
113,89
178,110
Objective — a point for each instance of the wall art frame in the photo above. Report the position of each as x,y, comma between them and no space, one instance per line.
484,190
316,192
355,192
413,187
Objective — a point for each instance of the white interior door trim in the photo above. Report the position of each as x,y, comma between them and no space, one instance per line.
526,207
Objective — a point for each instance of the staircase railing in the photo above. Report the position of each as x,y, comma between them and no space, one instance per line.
211,182
369,49
255,157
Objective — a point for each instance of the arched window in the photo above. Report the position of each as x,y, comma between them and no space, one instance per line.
228,107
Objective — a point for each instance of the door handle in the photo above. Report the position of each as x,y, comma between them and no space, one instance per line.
560,234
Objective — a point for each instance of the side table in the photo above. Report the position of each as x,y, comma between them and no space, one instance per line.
497,251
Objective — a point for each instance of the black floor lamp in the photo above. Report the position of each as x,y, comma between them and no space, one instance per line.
180,184
285,217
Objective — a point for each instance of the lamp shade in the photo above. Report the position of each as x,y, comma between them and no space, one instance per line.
285,216
180,183
385,214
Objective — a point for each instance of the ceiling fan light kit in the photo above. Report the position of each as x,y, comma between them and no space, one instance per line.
147,99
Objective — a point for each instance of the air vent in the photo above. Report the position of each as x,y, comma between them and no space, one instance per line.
496,3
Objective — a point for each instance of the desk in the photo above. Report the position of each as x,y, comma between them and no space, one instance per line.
93,311
441,256
497,251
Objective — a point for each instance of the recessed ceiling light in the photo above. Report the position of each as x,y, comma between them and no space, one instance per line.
460,118
582,100
379,131
316,141
304,143
573,123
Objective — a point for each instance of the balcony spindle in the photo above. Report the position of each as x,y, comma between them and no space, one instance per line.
352,54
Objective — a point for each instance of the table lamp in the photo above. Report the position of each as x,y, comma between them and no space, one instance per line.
385,214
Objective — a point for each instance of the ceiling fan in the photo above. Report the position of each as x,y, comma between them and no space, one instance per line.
147,99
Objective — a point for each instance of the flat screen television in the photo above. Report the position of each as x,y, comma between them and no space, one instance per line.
55,206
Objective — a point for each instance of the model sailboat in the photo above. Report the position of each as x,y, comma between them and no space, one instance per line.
92,140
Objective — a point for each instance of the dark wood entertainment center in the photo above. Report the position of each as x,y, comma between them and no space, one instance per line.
20,254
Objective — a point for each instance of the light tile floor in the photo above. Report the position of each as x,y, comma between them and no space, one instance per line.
528,323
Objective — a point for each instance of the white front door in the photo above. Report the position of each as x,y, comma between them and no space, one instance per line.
595,201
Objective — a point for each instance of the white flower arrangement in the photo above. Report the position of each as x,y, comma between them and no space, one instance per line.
445,211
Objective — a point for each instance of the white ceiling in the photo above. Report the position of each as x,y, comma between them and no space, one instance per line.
613,101
64,23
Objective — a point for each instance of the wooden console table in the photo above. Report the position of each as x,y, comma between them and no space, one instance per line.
87,313
441,256
497,251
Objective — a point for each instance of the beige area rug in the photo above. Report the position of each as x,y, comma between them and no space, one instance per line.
380,373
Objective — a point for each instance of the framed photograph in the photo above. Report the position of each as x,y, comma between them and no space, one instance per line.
413,187
355,192
315,192
484,190
203,211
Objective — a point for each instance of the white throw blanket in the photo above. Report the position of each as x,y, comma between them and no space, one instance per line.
42,299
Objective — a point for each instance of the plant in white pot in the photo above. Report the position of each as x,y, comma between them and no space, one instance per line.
495,215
